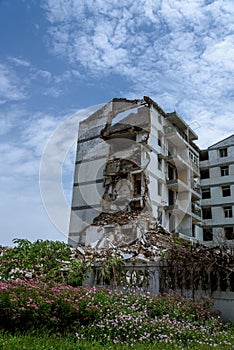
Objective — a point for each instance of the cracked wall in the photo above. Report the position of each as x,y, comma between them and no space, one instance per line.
111,177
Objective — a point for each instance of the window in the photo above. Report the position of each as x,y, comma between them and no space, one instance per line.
159,139
159,188
205,174
159,162
227,211
223,152
204,155
160,119
206,193
206,213
229,232
193,157
171,172
207,234
224,170
226,191
193,230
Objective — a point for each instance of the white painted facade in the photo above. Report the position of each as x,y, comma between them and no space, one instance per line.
164,184
217,185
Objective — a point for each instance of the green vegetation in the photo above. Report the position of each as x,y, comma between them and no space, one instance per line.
104,316
45,341
44,260
50,310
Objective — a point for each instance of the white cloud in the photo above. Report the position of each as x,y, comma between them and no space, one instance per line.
52,91
19,62
40,73
33,139
10,87
180,52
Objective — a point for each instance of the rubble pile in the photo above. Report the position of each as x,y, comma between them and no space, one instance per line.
120,217
148,248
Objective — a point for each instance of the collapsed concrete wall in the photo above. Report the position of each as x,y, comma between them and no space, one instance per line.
111,175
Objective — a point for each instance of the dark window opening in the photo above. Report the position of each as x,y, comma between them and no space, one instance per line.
223,152
206,193
207,234
171,197
206,213
160,140
159,188
205,174
137,185
204,155
226,191
224,170
159,163
171,172
193,230
229,232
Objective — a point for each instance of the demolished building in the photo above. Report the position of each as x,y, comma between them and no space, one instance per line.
136,166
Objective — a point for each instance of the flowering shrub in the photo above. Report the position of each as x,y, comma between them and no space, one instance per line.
45,260
103,315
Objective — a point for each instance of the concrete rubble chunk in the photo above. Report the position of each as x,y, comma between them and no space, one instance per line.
147,248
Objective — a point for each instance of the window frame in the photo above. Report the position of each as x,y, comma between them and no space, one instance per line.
223,152
230,233
226,191
203,172
206,190
208,210
207,231
228,211
224,170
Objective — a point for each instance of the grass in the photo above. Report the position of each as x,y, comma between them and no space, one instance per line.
45,341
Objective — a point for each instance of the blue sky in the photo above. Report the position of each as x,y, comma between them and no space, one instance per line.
61,59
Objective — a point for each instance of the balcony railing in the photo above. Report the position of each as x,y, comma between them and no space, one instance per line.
196,188
196,209
170,131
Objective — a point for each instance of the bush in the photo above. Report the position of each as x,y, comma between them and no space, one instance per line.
105,316
45,260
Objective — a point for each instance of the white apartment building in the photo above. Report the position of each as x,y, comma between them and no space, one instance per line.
217,186
135,166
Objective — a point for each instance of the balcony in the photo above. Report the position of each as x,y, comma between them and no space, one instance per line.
176,185
177,161
175,136
175,208
196,212
195,167
196,192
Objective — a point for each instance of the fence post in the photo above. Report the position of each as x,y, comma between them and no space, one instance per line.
154,280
